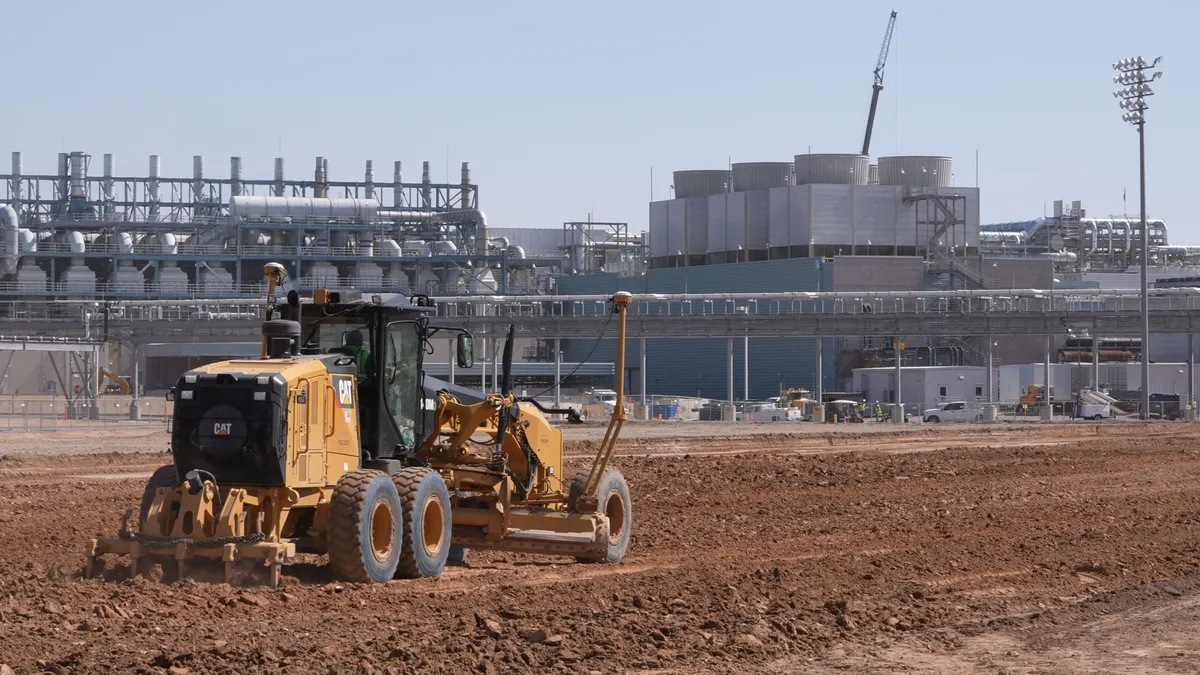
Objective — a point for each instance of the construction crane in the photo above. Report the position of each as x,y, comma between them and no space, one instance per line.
878,86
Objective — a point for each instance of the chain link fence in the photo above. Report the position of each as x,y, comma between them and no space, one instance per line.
49,413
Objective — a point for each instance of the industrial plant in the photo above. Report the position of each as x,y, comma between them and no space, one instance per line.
83,232
127,257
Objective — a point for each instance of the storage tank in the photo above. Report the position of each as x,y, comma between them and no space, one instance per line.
749,176
700,182
914,171
832,169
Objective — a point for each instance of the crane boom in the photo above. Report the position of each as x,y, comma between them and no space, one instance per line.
878,85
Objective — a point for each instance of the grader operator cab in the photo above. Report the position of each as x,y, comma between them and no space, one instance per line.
335,442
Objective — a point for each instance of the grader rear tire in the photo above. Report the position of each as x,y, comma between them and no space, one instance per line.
612,496
426,505
163,477
365,528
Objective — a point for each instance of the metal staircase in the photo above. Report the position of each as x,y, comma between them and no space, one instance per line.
972,278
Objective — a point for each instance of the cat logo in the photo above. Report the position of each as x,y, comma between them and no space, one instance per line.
222,428
345,391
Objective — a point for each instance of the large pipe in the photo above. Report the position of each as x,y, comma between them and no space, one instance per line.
197,179
152,189
125,242
464,199
366,244
389,248
78,171
369,180
279,177
235,176
426,188
319,178
63,171
252,206
481,232
107,184
170,245
17,186
463,215
77,242
397,187
10,236
28,240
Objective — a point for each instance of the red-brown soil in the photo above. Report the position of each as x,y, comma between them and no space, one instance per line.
1045,549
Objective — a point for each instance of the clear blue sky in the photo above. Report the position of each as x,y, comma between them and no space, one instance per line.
562,108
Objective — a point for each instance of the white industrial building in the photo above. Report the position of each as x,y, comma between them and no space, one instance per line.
816,206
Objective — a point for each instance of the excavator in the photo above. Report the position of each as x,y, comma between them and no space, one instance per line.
335,442
116,383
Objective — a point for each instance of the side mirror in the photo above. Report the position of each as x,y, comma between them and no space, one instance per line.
465,346
171,394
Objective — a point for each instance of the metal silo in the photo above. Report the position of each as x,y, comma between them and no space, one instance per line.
700,183
832,169
749,176
916,171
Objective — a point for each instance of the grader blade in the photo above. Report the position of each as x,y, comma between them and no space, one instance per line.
193,532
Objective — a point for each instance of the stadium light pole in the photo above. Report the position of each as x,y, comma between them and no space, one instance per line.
1135,82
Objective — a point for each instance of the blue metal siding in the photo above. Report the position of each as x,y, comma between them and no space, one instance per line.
690,367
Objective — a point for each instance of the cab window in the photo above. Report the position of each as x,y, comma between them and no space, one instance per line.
334,333
401,380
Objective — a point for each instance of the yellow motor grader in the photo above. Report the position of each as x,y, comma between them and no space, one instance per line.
336,442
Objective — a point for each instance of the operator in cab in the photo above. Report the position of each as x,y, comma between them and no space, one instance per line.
354,347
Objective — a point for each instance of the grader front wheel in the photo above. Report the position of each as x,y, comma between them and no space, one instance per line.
365,528
612,499
426,504
163,477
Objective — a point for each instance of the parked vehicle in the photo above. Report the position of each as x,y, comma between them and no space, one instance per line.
842,410
1032,395
1094,411
605,397
1165,407
953,411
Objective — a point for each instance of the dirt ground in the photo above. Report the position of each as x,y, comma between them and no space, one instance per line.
1066,548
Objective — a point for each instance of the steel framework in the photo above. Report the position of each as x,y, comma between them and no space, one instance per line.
82,357
880,314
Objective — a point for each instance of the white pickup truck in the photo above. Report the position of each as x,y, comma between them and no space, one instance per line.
953,411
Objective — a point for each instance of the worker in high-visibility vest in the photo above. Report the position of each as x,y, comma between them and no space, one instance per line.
354,347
